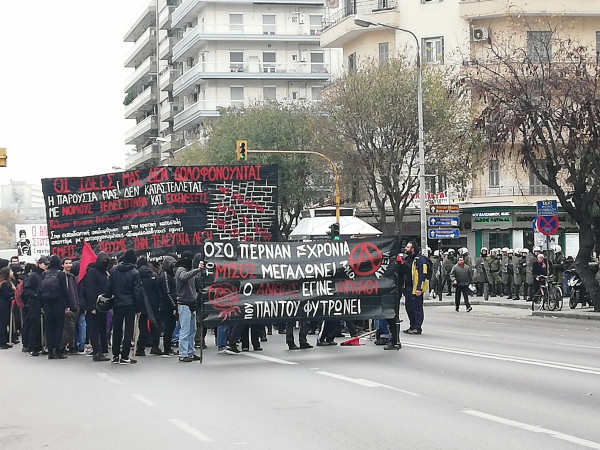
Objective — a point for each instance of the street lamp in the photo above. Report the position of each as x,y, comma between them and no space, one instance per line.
365,21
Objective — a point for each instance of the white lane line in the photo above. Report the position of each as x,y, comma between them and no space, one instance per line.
363,382
145,400
268,358
190,430
534,428
108,378
465,334
517,359
580,346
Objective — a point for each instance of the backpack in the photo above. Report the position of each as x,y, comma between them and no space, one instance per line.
49,286
19,295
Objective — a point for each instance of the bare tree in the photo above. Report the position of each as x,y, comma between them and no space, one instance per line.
541,104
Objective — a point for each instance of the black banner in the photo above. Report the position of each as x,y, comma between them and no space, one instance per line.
274,282
161,210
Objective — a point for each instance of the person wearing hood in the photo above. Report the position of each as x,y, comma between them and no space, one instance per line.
94,283
167,302
68,337
187,302
125,286
53,294
149,309
33,311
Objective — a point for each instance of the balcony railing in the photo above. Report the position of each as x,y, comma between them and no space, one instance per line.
510,191
350,10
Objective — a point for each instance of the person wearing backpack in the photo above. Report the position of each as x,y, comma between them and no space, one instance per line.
33,314
53,294
420,274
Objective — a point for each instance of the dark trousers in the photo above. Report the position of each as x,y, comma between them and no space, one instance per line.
123,320
33,326
4,320
302,333
414,309
464,291
251,333
329,330
96,323
149,332
168,324
54,317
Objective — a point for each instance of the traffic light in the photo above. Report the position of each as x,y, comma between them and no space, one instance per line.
242,150
2,157
334,231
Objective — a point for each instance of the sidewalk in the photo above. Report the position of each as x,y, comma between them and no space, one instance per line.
566,312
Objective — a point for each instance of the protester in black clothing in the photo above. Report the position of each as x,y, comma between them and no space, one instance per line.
149,311
94,283
168,302
6,297
53,295
394,322
32,328
125,286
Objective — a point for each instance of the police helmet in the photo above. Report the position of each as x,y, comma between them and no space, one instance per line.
436,253
509,251
537,248
557,248
451,251
525,250
504,249
484,250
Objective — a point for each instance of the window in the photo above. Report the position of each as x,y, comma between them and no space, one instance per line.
268,23
494,180
384,51
237,96
495,240
435,184
236,61
315,92
316,62
236,23
385,4
268,62
351,62
269,93
535,185
316,23
539,45
433,50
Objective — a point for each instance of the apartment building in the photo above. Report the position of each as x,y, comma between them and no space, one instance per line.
501,204
192,57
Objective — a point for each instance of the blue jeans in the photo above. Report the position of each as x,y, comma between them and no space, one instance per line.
414,309
187,321
80,330
382,327
222,333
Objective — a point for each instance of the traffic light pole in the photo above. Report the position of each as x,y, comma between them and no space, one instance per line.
333,168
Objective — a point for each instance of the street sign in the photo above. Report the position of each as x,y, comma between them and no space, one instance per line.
547,225
443,209
547,208
444,221
444,233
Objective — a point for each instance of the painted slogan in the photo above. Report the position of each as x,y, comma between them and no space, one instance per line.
161,210
271,282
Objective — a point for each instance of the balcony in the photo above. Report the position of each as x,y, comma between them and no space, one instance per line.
165,47
164,17
144,20
186,12
195,113
489,9
167,78
302,70
144,102
511,191
142,48
147,157
170,110
143,74
219,32
339,28
142,131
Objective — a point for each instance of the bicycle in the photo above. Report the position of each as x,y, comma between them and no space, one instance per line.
548,297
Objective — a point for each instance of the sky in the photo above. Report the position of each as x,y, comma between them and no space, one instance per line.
62,85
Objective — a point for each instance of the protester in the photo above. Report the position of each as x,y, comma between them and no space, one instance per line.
72,314
148,327
6,298
94,283
187,302
420,284
168,302
461,276
289,336
32,331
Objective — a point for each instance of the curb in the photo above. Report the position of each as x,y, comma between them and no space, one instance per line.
567,315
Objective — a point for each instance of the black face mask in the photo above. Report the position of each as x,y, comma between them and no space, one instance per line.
103,264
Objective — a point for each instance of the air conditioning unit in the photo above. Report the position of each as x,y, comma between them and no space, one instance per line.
480,34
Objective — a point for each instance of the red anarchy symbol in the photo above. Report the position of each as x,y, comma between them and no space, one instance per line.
365,259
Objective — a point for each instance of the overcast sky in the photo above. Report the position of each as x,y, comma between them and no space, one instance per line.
61,86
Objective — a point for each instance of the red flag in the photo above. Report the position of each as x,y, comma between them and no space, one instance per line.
87,257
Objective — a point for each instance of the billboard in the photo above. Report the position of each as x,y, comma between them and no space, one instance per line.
32,241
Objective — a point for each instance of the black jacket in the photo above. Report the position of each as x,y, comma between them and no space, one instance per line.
63,300
150,284
94,283
125,286
30,288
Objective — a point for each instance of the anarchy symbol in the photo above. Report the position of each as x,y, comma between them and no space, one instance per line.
365,259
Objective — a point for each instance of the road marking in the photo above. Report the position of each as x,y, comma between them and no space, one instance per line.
533,428
108,378
580,346
517,359
190,430
466,334
146,401
363,382
268,358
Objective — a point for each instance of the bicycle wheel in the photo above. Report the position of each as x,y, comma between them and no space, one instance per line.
573,300
537,302
553,296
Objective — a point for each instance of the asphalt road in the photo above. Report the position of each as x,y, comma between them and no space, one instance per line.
494,378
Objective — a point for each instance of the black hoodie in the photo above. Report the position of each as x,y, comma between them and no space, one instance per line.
125,286
94,281
151,287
